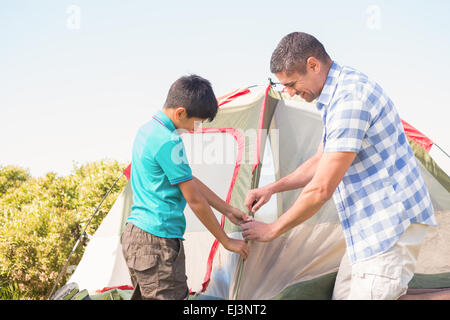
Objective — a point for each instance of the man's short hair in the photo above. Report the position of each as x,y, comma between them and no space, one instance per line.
195,94
293,51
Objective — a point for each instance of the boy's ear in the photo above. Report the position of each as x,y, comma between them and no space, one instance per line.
180,113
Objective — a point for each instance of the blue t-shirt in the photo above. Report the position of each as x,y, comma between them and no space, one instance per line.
158,164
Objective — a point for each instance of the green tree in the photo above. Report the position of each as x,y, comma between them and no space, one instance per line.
12,177
42,218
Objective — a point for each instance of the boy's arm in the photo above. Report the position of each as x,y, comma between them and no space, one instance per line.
204,213
235,215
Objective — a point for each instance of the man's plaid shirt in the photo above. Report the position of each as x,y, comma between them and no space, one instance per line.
383,191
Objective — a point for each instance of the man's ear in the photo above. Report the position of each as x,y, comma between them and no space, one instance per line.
313,64
180,113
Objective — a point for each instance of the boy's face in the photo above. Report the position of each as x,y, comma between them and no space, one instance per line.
182,121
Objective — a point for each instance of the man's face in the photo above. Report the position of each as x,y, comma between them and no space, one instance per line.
308,85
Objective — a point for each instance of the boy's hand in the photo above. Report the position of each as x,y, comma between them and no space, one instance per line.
238,217
238,246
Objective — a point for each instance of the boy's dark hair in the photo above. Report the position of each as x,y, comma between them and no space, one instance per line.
294,50
195,94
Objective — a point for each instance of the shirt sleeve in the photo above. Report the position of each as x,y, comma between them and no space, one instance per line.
171,156
346,126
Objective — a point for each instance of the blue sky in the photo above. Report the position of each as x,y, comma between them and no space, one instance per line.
80,94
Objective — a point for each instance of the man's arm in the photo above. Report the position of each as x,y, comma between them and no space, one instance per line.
299,178
330,171
235,215
204,213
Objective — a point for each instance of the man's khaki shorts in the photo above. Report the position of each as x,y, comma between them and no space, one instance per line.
156,265
384,276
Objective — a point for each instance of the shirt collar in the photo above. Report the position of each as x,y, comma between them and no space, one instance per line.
164,120
329,86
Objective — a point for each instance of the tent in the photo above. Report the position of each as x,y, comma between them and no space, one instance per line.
259,135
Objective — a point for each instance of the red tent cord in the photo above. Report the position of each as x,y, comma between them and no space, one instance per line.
125,287
260,128
239,137
232,95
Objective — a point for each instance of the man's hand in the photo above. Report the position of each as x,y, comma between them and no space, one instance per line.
238,246
238,217
256,198
259,231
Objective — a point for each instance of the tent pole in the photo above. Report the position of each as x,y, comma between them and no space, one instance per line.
238,285
254,183
240,268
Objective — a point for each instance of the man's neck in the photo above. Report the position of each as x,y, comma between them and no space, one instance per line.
324,73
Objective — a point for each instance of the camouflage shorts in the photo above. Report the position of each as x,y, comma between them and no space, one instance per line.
156,265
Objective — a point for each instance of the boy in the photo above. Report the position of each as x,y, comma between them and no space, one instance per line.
162,183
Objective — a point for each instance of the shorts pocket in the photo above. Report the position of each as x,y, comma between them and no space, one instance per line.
379,283
180,264
145,270
142,262
377,279
386,287
170,251
172,274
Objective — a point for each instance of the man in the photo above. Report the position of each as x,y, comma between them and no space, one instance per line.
364,162
162,183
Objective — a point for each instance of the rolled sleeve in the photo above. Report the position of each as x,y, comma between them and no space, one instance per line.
171,156
346,126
